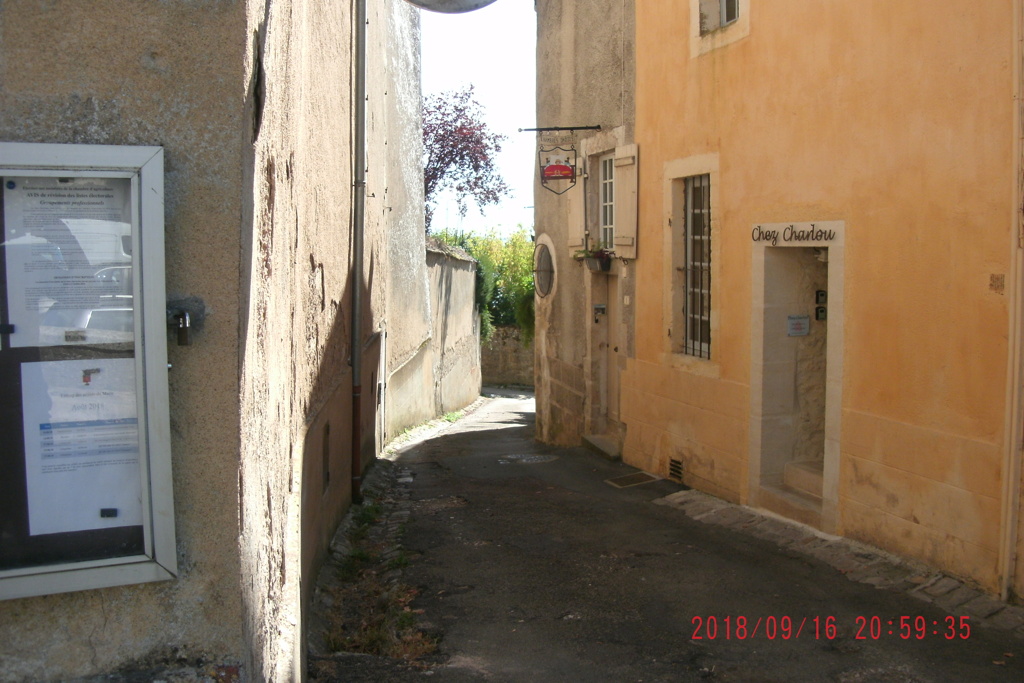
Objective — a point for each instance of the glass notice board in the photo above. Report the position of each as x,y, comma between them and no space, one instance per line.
85,486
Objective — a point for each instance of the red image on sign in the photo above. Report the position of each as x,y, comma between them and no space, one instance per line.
557,164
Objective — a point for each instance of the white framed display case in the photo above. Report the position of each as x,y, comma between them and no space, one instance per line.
86,496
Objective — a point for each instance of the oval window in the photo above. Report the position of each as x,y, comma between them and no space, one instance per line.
543,270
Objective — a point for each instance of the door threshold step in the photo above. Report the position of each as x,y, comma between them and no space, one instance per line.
791,503
805,476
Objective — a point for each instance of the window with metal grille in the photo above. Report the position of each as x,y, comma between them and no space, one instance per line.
697,267
714,14
607,164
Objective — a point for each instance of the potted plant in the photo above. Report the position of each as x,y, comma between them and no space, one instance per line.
597,258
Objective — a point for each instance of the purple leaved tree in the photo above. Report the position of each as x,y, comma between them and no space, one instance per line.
459,152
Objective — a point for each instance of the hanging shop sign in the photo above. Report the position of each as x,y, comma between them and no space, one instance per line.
557,168
557,156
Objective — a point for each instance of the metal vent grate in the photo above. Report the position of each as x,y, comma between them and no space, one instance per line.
675,470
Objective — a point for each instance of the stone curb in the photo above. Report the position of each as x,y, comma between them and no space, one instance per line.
859,562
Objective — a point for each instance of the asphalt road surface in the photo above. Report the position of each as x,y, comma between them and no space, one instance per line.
531,567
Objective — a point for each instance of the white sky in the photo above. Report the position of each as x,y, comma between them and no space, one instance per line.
493,49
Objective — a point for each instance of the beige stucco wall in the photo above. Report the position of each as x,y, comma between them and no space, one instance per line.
808,120
297,404
585,75
443,374
455,341
79,72
422,315
251,102
395,197
296,333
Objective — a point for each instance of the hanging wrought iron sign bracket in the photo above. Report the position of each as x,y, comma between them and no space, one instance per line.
557,161
552,129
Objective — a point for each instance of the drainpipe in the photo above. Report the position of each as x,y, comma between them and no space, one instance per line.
1014,440
358,213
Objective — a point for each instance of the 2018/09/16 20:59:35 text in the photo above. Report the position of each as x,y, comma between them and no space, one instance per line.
827,628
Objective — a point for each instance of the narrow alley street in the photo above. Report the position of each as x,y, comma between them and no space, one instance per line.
532,565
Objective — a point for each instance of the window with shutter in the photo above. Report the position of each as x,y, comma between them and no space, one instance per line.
575,214
626,166
714,14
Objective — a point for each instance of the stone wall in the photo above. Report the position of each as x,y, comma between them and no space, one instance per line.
505,359
251,102
152,76
443,374
456,342
585,72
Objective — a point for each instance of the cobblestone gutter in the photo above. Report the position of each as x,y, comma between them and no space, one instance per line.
361,623
858,562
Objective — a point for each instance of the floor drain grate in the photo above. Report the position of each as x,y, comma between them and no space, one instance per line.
634,479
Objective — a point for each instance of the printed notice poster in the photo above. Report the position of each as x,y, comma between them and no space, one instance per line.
81,445
68,251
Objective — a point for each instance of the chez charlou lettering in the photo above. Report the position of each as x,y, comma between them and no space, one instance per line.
791,233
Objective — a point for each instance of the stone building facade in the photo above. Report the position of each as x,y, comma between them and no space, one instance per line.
252,103
584,333
816,323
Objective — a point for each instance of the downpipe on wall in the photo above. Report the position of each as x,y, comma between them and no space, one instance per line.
358,227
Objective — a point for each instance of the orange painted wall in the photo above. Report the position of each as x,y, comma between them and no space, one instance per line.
898,119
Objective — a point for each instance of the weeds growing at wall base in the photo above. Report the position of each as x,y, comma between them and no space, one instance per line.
373,615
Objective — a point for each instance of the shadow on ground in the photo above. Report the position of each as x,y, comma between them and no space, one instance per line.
528,565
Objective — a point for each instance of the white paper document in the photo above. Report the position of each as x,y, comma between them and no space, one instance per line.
81,445
68,244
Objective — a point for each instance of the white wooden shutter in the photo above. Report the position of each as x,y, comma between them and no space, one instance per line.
574,215
626,172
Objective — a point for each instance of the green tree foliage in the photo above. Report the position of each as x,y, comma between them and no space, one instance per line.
486,285
504,278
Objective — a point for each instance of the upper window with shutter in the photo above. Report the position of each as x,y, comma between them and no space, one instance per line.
606,200
714,14
717,23
602,211
625,165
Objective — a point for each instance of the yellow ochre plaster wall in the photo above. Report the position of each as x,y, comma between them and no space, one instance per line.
899,123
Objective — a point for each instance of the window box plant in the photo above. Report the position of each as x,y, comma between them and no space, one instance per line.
597,259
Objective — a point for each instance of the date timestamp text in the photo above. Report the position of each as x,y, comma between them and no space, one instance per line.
828,628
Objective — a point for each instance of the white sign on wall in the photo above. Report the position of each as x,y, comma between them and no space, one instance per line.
81,445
